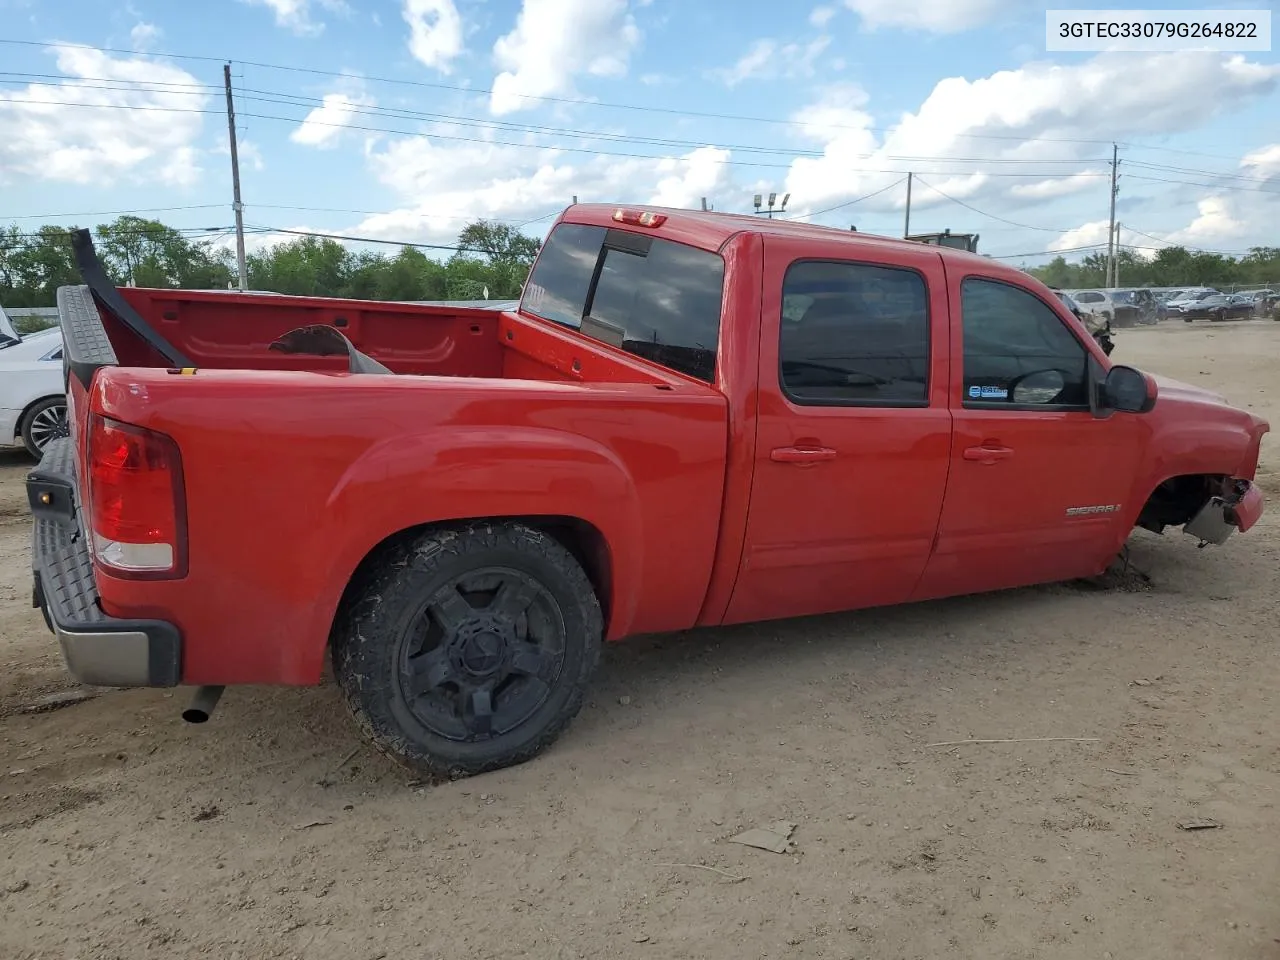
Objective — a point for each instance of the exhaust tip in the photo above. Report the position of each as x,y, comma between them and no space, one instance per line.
202,704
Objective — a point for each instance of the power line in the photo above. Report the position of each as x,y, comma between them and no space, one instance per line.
620,138
1012,223
1197,172
258,228
577,101
849,203
1045,253
113,213
1208,186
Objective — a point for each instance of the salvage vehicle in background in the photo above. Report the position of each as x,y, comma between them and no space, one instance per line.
1134,306
1099,329
692,419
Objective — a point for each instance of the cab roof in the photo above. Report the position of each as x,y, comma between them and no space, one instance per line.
711,229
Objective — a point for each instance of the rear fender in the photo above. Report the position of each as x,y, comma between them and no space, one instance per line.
463,473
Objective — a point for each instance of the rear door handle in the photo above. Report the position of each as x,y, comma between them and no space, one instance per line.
802,454
988,454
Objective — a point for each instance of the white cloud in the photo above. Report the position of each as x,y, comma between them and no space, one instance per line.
324,124
769,60
249,153
1054,187
1086,235
684,182
43,139
1022,115
299,16
1216,223
933,16
143,36
442,187
556,40
1263,163
435,32
821,16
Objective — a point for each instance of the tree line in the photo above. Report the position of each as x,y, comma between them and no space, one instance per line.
1170,267
492,257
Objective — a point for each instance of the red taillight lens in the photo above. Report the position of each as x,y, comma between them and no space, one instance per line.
137,508
639,218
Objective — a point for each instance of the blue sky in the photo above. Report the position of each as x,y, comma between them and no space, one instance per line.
404,119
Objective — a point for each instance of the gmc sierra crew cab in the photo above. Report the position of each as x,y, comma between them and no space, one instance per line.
691,419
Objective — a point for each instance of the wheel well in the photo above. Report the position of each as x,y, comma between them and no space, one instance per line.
1176,500
582,539
17,427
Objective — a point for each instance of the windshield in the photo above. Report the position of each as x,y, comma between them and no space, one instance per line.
8,335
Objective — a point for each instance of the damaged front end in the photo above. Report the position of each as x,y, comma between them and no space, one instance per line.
1236,506
1210,509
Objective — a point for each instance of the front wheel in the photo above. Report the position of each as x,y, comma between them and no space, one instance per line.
467,649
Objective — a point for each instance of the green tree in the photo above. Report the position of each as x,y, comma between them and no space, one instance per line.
507,253
146,253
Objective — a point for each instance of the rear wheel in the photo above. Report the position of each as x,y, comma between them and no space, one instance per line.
44,421
468,649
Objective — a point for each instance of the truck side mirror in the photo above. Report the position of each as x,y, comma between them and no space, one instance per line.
1128,390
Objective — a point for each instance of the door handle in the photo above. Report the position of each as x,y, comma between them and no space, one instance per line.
988,454
802,454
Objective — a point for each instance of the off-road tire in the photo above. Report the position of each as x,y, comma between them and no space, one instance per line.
379,615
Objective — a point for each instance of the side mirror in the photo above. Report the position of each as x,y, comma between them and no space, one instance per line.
1128,390
1043,386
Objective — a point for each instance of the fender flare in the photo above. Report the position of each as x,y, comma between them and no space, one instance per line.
458,473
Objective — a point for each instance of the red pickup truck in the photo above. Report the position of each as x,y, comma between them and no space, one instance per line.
692,419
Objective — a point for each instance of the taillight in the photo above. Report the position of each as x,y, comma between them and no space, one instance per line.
137,507
639,218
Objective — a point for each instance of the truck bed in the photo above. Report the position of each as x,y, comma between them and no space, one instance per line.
234,331
293,462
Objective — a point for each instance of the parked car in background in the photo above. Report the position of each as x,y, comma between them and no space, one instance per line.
1218,306
1095,302
1188,300
33,405
1098,328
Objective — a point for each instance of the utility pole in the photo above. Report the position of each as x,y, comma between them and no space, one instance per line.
906,226
235,180
1111,233
1115,269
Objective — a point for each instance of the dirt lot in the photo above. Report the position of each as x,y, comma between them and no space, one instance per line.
273,832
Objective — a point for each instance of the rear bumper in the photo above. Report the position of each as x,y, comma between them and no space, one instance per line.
99,650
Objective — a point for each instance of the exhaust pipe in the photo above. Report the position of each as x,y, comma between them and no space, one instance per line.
202,704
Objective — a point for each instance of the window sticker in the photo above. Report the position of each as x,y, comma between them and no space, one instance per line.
988,393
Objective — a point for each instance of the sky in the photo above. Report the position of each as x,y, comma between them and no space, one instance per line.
403,120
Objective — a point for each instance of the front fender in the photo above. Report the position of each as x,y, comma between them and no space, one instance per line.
1184,447
458,473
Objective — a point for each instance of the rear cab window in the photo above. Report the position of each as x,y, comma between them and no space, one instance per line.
653,298
854,334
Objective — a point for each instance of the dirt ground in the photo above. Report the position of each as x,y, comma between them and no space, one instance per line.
272,831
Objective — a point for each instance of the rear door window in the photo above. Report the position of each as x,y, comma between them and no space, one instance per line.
653,298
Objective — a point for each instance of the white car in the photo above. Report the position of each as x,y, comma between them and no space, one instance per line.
33,402
1098,303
